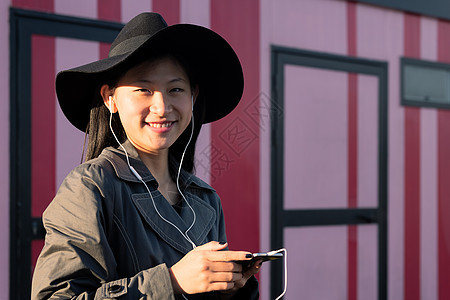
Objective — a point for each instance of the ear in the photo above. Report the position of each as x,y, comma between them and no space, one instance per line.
195,92
107,93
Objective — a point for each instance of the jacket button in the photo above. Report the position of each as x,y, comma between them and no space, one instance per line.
115,288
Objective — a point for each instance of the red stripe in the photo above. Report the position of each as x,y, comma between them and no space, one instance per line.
109,10
352,180
444,175
235,171
43,120
36,247
351,28
169,9
412,173
41,5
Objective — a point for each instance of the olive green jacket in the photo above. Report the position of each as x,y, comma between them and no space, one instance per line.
105,240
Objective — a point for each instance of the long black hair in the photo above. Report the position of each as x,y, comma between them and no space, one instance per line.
99,135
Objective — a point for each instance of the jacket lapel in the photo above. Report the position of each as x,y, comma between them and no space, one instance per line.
157,212
169,225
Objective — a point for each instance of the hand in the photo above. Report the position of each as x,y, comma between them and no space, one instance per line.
248,271
206,269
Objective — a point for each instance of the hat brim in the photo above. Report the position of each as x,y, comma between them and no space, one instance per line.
217,66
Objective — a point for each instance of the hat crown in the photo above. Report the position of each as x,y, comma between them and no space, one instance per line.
136,32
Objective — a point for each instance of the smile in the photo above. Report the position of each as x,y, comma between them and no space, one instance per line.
160,125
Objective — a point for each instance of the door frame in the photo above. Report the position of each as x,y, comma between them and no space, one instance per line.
282,218
23,228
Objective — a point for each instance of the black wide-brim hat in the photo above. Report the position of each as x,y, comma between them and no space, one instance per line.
216,65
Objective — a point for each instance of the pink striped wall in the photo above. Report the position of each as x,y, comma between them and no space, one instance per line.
311,25
412,172
43,119
418,144
384,42
60,154
443,55
429,175
69,140
314,99
198,12
316,270
265,25
242,32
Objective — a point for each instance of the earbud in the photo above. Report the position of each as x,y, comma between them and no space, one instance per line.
110,104
192,102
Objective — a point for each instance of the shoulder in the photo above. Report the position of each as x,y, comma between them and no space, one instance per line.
95,172
88,182
197,183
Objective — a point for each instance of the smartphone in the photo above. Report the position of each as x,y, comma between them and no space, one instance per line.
265,256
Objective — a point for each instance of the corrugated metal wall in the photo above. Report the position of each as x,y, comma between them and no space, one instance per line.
418,138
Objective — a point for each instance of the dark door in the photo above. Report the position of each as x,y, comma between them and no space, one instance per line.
328,168
44,147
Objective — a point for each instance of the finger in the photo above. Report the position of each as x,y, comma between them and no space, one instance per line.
211,246
240,283
226,277
221,286
219,266
229,256
254,269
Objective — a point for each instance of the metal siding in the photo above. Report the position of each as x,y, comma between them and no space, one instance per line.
43,147
235,170
352,160
169,9
380,36
198,12
444,175
418,138
429,176
412,172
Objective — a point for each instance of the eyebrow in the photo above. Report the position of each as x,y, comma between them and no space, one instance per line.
177,79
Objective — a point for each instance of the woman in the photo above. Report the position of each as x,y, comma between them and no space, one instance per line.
133,222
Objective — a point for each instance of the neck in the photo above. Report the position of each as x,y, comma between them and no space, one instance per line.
158,165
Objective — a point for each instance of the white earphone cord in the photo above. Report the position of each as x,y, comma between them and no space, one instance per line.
185,234
285,271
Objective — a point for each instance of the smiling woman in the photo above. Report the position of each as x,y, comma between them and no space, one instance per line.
154,102
133,221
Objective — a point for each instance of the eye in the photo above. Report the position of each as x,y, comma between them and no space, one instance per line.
146,91
176,90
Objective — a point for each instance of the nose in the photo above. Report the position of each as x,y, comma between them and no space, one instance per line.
159,104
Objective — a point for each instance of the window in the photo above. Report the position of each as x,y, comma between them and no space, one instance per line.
425,83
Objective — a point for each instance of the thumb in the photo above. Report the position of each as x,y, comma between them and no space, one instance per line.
212,246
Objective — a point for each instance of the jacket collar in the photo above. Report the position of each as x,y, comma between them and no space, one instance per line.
204,212
118,160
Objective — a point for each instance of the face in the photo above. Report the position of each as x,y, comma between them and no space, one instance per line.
153,100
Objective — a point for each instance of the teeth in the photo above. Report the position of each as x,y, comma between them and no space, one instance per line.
160,125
